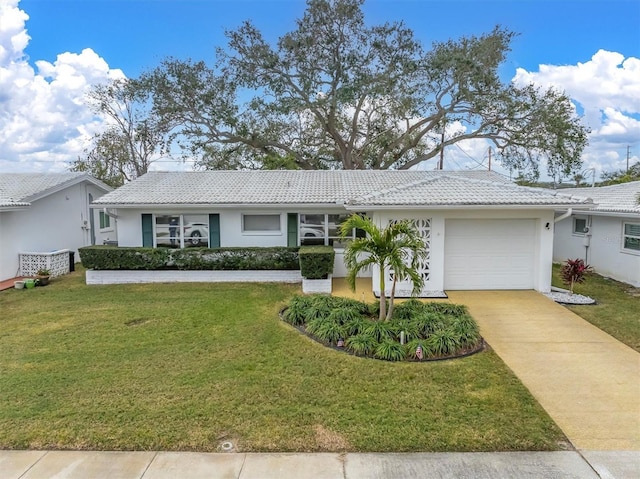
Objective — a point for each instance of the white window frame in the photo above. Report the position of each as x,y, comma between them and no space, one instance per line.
246,232
625,235
573,225
326,228
181,242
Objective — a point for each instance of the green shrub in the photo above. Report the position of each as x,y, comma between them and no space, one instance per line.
296,312
343,314
319,306
408,309
467,330
390,350
446,308
316,262
381,330
428,322
232,259
438,329
326,330
443,342
411,329
356,326
362,344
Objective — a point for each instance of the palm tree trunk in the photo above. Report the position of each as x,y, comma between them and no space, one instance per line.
383,297
393,294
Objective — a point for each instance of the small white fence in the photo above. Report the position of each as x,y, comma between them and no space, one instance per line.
57,262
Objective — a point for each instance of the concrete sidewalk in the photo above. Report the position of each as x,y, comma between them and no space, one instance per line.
185,465
586,380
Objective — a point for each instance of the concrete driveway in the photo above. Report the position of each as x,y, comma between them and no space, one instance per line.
587,381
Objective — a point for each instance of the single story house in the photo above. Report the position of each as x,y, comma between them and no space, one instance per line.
43,213
608,236
481,230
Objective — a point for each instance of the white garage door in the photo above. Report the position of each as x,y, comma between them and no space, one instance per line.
489,254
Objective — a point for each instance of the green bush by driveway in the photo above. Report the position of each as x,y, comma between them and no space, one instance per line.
189,366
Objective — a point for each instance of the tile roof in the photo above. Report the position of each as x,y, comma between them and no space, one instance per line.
359,187
460,191
21,188
622,198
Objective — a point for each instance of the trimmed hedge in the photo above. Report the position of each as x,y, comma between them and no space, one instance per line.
230,259
316,262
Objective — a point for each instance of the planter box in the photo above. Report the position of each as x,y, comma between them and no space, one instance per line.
311,286
174,276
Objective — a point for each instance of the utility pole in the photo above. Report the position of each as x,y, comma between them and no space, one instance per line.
489,158
628,154
441,166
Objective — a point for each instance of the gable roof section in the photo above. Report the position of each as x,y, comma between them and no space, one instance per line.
24,188
351,188
447,190
622,198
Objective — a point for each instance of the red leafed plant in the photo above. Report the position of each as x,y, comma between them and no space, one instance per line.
574,271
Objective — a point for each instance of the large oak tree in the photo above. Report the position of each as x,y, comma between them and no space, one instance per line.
338,93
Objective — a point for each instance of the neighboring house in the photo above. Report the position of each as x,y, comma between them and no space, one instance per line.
481,230
45,212
606,237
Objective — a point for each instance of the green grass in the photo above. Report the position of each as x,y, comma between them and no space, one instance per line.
617,309
188,366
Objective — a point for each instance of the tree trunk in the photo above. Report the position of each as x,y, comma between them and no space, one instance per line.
383,298
393,294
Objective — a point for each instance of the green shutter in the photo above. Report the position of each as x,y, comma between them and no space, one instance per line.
292,229
214,230
147,231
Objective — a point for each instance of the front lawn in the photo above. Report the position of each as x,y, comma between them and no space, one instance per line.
617,309
189,366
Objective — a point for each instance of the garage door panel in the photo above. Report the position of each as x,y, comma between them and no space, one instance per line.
489,254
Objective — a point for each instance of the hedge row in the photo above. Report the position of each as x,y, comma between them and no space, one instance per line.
316,262
121,258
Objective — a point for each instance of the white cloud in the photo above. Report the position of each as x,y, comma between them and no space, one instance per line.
607,92
44,121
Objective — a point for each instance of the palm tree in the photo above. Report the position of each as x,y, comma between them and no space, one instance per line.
398,247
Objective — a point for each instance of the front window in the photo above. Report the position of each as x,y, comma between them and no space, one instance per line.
631,236
105,221
322,229
579,226
261,223
181,231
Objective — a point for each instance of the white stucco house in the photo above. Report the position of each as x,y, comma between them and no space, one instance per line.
45,213
608,236
481,230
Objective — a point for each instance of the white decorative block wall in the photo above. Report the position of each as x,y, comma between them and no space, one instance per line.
57,262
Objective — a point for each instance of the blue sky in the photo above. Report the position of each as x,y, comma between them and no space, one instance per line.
72,43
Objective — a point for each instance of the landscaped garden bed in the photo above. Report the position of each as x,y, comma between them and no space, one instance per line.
418,331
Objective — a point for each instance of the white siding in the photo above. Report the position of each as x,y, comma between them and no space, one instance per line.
604,252
55,222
